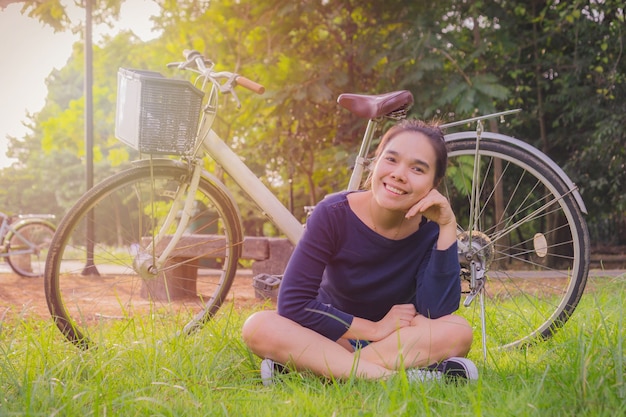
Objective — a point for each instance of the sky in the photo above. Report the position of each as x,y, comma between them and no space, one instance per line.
30,51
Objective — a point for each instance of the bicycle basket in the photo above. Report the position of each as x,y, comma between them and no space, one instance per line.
156,115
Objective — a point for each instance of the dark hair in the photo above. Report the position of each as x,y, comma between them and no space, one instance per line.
431,131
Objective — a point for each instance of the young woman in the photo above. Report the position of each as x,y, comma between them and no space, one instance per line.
372,284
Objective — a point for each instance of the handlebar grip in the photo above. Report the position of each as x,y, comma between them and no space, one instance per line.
249,84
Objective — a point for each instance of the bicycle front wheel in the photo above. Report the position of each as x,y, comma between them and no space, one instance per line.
526,236
101,283
27,247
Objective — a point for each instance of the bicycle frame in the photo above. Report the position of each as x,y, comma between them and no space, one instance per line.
5,227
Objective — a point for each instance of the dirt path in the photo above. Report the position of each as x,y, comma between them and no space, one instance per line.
25,297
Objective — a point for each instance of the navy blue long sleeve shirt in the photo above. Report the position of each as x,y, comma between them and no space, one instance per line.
341,269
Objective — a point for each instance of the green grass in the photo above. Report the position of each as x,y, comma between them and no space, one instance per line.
579,372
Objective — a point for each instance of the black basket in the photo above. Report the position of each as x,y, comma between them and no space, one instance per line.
156,115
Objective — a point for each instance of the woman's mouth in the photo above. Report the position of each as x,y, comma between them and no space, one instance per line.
394,189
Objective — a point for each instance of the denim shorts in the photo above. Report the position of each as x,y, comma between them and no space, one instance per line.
358,343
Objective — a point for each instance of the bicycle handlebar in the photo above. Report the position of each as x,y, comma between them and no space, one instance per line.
204,66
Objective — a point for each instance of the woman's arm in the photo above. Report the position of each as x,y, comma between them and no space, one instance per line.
399,316
435,207
438,285
297,298
438,288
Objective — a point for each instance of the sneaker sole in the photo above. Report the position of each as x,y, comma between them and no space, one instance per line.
460,368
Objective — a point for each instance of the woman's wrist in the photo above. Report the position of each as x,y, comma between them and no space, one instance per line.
447,235
363,329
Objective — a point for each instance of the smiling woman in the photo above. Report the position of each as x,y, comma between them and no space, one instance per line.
373,283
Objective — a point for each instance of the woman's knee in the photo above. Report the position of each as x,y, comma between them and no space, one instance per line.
256,328
451,333
460,333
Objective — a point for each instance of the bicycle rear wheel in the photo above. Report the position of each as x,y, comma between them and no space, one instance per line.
101,287
28,247
528,235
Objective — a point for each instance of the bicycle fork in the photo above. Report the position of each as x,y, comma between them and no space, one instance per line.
147,262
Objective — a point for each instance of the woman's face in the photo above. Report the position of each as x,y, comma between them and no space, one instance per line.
404,172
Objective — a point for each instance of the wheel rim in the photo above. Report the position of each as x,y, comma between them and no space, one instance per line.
107,298
537,265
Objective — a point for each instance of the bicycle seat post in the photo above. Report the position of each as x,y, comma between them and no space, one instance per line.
359,163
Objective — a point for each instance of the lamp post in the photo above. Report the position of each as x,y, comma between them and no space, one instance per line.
90,267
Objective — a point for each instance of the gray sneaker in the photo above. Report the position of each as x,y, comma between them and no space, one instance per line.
452,369
269,369
459,368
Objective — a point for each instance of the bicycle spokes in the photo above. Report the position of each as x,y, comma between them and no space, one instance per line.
522,241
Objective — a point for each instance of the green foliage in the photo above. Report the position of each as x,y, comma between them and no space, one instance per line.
51,12
562,62
573,83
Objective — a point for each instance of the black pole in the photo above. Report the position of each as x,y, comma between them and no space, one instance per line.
90,267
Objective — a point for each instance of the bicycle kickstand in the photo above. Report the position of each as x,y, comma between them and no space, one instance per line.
477,287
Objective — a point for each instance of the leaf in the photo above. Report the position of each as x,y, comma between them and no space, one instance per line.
488,85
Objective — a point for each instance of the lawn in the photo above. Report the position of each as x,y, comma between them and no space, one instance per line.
579,372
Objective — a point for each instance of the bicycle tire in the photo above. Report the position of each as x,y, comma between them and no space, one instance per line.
105,298
536,243
34,232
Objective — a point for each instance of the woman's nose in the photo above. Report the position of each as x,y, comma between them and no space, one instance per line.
399,174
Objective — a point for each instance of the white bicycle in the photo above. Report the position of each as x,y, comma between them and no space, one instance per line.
162,239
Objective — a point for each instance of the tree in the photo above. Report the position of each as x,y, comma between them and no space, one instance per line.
562,62
568,75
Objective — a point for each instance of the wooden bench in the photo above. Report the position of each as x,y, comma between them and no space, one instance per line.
270,256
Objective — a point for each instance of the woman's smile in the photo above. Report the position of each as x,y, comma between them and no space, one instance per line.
394,189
